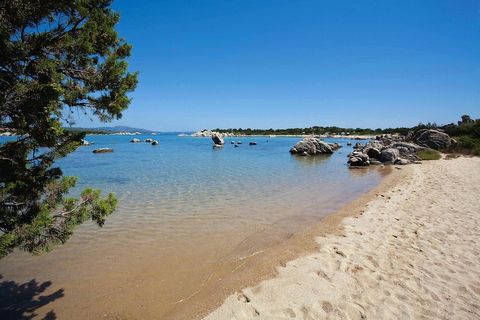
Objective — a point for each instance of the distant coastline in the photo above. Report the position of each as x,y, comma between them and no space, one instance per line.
208,133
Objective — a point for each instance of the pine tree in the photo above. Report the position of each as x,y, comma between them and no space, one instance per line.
56,58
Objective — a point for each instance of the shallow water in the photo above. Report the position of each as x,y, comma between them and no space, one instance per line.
185,211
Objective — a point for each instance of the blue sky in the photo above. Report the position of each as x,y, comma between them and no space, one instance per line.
285,63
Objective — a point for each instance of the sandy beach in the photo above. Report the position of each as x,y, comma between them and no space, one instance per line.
411,253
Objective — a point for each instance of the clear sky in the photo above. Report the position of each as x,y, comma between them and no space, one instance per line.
298,63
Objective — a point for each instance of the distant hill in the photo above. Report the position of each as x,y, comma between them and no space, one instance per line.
110,129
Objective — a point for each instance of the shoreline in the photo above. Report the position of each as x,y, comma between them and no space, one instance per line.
374,260
170,266
264,266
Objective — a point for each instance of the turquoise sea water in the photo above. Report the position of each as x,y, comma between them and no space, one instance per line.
184,208
185,179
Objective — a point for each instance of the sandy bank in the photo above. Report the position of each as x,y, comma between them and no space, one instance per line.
414,253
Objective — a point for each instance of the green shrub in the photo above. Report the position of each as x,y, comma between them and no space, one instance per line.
466,145
429,154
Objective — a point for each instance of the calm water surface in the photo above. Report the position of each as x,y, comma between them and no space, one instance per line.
188,215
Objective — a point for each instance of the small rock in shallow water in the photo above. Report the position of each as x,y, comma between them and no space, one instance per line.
402,162
103,150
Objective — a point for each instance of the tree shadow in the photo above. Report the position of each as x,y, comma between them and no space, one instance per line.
20,301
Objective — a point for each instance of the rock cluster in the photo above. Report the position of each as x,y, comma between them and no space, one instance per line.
313,146
390,149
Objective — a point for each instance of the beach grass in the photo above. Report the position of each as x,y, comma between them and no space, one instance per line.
429,154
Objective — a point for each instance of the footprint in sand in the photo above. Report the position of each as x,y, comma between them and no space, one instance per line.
243,298
327,306
289,313
475,289
322,274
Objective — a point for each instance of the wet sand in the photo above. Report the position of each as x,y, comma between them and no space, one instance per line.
412,252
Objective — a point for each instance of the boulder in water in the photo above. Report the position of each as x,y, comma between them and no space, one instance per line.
311,146
217,139
335,146
358,159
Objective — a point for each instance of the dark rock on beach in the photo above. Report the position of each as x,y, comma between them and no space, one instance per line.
389,155
433,139
402,161
373,153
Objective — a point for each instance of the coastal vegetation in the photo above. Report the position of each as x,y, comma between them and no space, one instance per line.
429,154
58,59
466,133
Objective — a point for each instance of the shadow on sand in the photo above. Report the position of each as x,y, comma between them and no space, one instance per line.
20,301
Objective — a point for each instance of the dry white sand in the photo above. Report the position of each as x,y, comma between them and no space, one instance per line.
413,254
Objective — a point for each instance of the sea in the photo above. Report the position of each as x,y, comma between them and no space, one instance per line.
193,224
